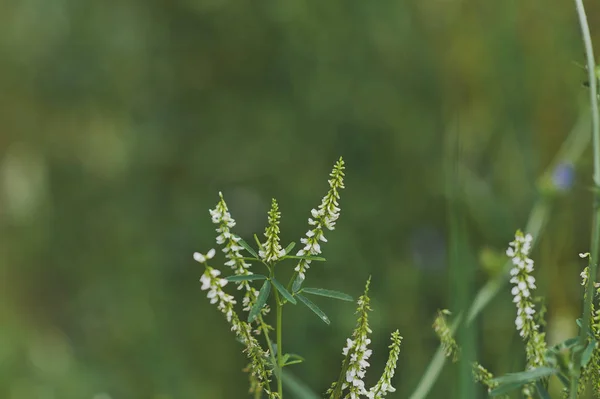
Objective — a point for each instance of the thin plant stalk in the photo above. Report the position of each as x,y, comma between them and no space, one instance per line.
595,244
279,357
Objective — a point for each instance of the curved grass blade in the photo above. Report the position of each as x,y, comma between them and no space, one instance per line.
314,308
328,293
246,246
283,291
248,277
263,295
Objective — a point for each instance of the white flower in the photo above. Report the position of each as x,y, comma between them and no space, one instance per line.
214,285
198,257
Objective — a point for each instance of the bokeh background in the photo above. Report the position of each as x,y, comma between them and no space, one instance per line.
121,121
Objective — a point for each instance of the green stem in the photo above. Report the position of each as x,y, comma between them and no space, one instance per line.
593,266
265,330
279,351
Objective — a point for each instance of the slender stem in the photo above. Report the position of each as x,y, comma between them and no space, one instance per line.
265,330
593,266
279,351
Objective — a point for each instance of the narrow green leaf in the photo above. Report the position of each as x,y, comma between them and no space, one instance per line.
313,307
541,390
294,356
249,277
564,379
293,362
566,344
289,248
328,293
263,295
246,246
295,359
504,389
306,257
297,283
283,291
513,381
587,353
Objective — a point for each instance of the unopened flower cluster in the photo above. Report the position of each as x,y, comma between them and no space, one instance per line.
324,217
271,250
482,375
441,328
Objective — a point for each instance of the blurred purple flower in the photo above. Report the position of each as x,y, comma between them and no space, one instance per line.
563,176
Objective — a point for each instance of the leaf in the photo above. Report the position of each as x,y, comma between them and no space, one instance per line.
296,359
263,295
313,307
297,283
246,246
248,277
289,248
293,362
564,379
504,389
328,293
513,381
566,344
587,353
541,390
297,388
306,257
283,291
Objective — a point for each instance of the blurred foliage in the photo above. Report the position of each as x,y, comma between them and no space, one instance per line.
121,121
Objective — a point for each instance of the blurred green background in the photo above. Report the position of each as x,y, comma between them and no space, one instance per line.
121,121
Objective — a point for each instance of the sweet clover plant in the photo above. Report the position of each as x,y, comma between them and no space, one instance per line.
266,357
